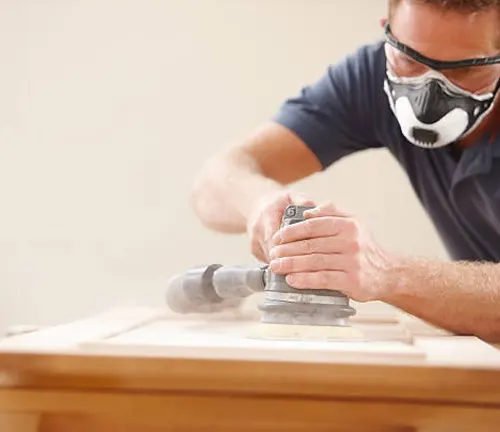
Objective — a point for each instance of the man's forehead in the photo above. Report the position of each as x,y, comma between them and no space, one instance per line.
433,63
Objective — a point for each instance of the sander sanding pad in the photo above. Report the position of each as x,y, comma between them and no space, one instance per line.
305,332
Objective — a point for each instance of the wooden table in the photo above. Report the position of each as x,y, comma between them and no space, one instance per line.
142,369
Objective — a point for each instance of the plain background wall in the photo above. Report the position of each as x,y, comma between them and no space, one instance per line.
109,108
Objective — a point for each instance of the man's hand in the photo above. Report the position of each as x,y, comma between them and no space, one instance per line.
331,250
265,220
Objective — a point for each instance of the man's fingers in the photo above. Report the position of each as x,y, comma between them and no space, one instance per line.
322,245
271,226
311,228
334,280
266,219
309,263
258,251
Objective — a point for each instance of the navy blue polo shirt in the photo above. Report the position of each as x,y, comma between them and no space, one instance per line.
346,110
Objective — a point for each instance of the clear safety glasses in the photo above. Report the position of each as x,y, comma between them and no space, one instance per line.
475,75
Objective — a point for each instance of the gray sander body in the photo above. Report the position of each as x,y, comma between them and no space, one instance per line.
215,288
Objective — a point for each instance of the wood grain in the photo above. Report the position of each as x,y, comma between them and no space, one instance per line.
66,423
19,422
443,384
218,412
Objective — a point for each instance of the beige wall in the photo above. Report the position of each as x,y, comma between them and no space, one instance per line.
108,109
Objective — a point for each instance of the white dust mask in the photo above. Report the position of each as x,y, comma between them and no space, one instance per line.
433,112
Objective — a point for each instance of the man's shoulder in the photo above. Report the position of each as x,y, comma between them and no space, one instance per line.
366,62
373,51
345,110
356,82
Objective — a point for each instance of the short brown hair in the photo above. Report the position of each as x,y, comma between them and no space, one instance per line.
456,5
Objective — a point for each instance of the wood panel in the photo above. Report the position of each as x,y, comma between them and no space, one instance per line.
84,373
66,337
62,423
145,348
235,340
141,369
19,422
223,412
230,334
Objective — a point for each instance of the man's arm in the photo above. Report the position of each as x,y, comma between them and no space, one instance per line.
463,297
230,184
244,188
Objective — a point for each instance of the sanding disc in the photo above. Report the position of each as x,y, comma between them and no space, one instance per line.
305,332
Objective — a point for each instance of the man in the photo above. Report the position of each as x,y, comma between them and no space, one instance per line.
428,94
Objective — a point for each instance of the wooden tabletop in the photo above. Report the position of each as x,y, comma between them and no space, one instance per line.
145,368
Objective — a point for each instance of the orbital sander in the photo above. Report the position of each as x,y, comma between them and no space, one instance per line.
286,312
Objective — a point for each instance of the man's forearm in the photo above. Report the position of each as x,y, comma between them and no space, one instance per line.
462,297
226,191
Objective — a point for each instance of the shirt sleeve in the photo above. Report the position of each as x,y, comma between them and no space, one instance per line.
334,115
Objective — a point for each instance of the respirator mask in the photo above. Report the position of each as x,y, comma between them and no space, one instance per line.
431,110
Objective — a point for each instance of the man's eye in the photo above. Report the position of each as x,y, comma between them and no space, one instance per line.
458,72
466,72
408,61
411,64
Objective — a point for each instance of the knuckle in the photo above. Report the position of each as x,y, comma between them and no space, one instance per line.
329,207
355,246
308,227
333,226
355,279
323,261
346,225
355,264
288,264
278,251
323,279
309,246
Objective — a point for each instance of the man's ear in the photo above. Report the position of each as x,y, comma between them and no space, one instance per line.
383,22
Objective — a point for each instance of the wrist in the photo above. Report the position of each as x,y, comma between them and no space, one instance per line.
396,278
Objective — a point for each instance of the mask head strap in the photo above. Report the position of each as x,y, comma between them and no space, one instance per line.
437,64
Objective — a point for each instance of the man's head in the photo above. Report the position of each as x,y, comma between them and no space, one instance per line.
426,36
